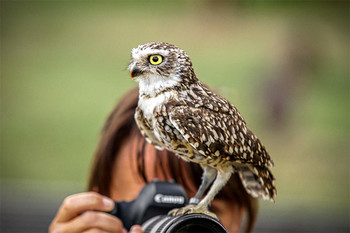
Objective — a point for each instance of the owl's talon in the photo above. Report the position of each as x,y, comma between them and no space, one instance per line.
181,211
191,209
187,211
173,212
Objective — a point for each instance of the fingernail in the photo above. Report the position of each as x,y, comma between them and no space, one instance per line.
108,202
136,229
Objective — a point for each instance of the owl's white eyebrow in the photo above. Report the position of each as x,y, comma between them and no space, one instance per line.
137,54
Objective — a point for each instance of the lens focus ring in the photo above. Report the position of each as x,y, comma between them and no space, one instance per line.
183,223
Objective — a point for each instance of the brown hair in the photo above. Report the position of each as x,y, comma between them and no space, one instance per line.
121,125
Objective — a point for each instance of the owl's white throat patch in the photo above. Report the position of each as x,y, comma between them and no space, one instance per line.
153,84
156,88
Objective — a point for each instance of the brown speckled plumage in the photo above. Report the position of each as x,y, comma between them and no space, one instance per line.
177,112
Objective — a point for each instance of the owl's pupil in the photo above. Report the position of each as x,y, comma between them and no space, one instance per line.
155,59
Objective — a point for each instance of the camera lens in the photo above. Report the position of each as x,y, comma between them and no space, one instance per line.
191,223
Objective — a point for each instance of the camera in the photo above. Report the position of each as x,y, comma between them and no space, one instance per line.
151,206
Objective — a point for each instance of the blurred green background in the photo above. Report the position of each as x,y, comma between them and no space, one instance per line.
285,65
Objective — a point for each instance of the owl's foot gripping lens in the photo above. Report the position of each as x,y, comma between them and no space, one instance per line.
191,209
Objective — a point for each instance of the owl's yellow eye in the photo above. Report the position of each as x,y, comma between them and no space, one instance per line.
155,59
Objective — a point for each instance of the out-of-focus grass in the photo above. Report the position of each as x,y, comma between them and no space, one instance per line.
63,68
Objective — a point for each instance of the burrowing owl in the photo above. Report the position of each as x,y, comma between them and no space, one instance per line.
178,113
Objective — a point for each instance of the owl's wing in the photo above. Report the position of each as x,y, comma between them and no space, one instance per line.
146,129
217,134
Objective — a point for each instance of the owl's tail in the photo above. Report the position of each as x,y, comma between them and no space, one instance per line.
258,181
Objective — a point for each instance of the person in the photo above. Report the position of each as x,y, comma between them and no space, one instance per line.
124,162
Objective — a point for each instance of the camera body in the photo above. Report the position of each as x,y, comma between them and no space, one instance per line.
151,206
156,198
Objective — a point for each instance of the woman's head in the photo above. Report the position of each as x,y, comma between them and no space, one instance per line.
123,150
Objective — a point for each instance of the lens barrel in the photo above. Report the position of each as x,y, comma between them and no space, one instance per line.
189,223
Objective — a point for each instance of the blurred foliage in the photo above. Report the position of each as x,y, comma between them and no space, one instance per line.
284,65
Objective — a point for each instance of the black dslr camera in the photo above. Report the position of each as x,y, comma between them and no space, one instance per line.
151,206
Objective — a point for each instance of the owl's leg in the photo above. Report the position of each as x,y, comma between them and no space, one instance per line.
202,207
220,181
208,177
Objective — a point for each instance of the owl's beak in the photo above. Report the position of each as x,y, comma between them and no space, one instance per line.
135,71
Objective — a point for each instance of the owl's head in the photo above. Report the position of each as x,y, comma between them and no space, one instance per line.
159,63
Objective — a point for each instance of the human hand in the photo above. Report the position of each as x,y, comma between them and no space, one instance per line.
77,214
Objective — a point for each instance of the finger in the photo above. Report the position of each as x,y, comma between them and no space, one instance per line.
95,230
93,219
78,203
136,229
